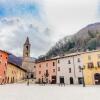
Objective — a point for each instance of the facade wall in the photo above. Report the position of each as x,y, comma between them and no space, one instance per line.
3,66
91,57
28,64
69,68
78,65
45,71
14,74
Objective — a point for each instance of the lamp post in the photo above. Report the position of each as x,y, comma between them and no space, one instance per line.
82,68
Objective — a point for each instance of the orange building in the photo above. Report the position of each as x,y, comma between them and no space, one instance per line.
46,71
3,66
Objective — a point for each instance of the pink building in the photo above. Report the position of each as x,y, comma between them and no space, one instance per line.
46,71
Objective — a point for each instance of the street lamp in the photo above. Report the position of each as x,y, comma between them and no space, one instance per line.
82,68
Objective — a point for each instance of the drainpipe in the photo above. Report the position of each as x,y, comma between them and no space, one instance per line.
74,66
56,70
74,69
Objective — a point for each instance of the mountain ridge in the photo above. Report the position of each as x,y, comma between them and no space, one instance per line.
86,38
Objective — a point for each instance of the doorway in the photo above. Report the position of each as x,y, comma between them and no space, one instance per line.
80,80
31,76
62,80
71,80
97,78
53,80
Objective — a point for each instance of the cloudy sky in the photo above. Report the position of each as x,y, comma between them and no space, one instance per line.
43,21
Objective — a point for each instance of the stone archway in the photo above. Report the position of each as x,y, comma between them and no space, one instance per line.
97,78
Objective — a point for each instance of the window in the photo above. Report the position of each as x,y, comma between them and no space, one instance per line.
46,64
90,65
0,55
6,57
98,56
34,66
39,72
40,66
4,73
78,59
58,61
6,67
53,63
89,57
47,71
27,47
98,63
69,70
69,62
58,68
80,69
5,64
53,70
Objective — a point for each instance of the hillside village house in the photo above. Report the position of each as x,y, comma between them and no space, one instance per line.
69,69
15,73
3,66
46,71
91,61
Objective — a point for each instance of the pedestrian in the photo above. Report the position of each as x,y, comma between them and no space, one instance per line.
28,83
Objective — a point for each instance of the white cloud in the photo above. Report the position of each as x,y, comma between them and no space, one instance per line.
58,18
13,32
68,16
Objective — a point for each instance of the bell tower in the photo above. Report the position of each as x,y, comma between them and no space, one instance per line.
26,48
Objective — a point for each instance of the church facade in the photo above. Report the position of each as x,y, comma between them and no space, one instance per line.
28,62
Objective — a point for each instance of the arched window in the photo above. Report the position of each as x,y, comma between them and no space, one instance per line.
27,47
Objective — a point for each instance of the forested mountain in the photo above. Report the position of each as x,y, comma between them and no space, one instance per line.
86,38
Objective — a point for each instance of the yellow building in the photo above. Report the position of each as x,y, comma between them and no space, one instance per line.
91,63
15,73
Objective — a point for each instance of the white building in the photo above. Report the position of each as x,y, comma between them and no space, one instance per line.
69,69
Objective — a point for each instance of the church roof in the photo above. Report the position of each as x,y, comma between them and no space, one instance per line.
16,61
27,41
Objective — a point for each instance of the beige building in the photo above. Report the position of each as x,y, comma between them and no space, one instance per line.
14,73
